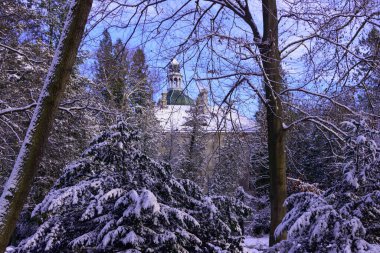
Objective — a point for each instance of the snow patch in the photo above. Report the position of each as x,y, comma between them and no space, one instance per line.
255,244
360,139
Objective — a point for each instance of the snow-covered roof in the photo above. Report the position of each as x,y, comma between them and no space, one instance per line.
174,117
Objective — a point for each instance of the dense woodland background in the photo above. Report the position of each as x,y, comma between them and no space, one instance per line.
107,164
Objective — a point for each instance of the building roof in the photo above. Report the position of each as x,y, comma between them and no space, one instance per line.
174,117
178,97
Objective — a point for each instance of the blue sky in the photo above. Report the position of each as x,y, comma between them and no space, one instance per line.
160,47
159,53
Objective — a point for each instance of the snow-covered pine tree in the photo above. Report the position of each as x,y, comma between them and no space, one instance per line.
346,217
193,152
104,59
369,72
232,165
139,84
119,73
258,223
150,129
116,198
111,71
141,103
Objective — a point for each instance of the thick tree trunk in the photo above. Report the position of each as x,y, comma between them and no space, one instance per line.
18,185
276,134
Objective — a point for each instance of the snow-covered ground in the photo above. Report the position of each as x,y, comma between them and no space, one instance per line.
251,245
255,244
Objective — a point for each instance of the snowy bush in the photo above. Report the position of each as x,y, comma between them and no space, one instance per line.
362,156
232,164
345,218
314,225
259,222
116,198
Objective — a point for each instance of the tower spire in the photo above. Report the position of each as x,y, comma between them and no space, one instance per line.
174,76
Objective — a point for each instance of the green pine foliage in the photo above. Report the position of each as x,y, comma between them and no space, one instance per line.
141,97
192,157
116,198
120,72
124,78
112,69
232,165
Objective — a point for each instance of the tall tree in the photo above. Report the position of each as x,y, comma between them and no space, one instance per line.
112,69
104,63
120,73
269,52
369,74
52,14
19,183
140,87
192,158
141,104
232,164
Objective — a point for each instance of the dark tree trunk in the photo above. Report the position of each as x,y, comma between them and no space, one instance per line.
18,185
276,134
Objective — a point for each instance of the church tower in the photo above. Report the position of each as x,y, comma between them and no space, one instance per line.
174,76
175,94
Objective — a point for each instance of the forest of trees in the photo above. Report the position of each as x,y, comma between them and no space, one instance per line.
87,167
